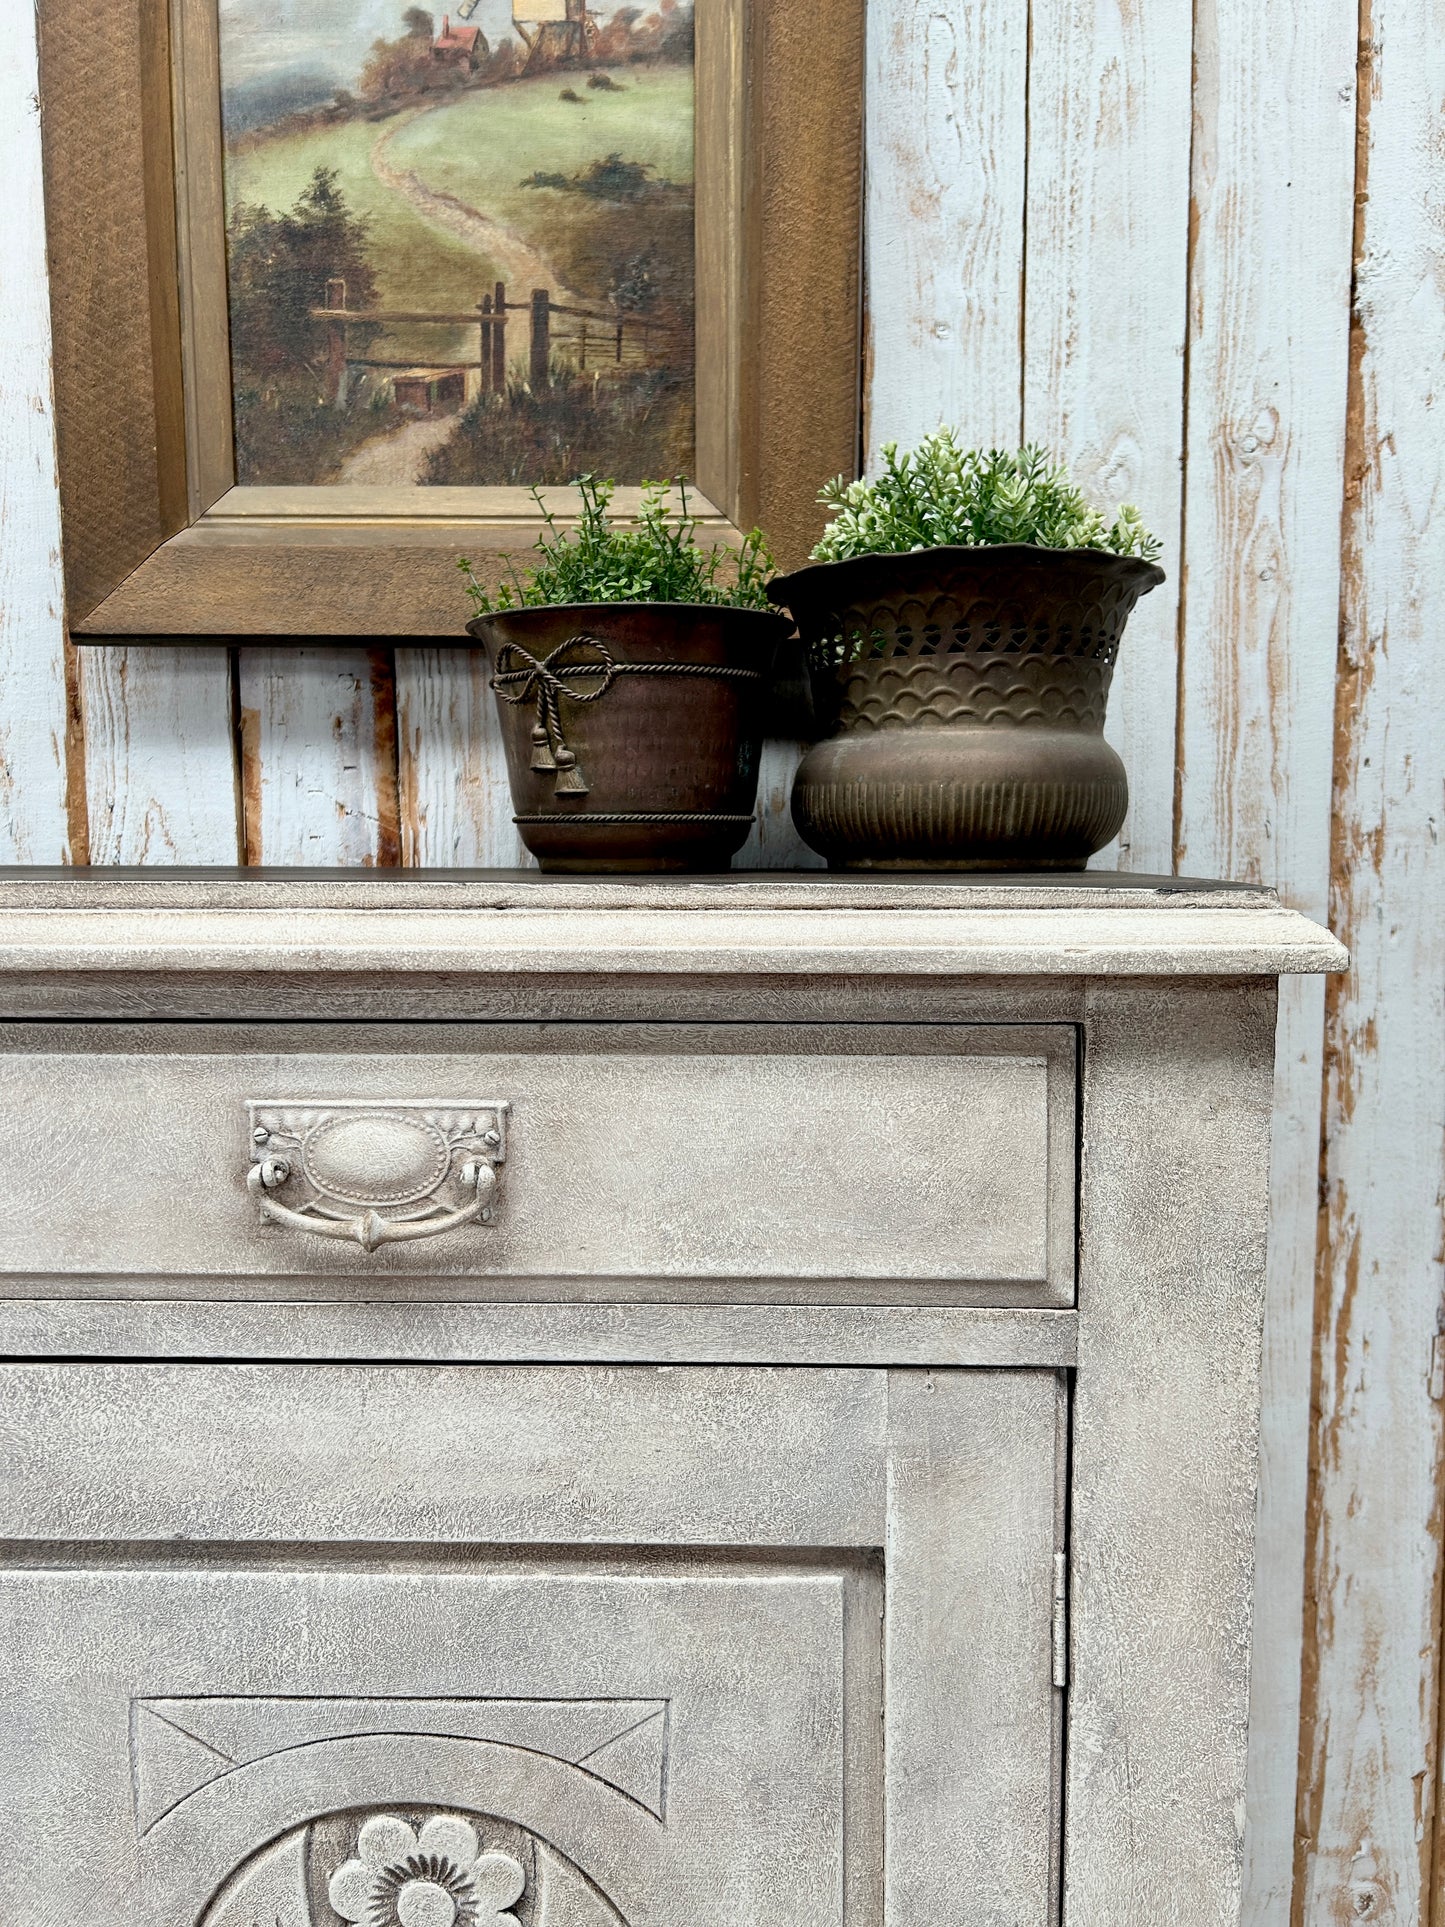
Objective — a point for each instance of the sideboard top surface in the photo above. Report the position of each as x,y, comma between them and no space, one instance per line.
520,923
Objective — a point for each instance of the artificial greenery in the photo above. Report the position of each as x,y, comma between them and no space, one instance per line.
941,493
655,559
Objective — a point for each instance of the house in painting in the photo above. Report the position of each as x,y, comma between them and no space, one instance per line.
461,46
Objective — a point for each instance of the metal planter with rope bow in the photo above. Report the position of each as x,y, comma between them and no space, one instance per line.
632,730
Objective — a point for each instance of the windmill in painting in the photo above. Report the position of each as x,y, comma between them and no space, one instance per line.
460,250
560,31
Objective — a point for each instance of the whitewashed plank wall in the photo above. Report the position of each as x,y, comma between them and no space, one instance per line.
1369,1810
34,794
1134,233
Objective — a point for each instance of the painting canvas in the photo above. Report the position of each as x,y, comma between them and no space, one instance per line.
460,245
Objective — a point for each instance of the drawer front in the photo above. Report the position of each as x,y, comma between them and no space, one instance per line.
560,1647
525,1162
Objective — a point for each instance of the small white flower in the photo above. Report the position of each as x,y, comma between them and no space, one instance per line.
438,1878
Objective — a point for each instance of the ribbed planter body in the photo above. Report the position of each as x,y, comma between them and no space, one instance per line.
968,723
632,729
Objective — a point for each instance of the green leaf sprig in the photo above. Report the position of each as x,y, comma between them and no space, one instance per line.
655,559
941,493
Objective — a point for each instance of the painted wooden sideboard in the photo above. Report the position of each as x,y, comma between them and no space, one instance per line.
577,1403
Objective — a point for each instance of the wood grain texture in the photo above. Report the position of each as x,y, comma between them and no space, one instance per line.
1369,1745
719,152
773,842
160,755
318,757
111,236
201,250
947,124
454,803
1269,266
803,282
35,824
1103,324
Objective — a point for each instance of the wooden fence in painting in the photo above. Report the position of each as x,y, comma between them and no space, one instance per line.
612,338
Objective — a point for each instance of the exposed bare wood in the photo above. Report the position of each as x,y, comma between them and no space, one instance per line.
1369,1748
113,283
319,756
719,162
799,392
455,804
201,241
339,504
1103,325
34,798
1271,189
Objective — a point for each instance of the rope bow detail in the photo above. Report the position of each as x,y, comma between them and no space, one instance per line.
581,669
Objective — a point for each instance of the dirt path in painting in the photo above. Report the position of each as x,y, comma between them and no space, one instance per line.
399,456
517,262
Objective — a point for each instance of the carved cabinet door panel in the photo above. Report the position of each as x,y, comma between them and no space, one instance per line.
303,1646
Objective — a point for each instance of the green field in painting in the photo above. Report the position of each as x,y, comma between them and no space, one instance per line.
482,146
478,147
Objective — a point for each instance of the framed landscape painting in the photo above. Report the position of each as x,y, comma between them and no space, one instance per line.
368,273
459,249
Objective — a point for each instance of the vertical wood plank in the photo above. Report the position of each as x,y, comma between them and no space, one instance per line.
773,843
35,825
1369,1758
1272,185
946,89
1108,218
455,803
318,757
160,755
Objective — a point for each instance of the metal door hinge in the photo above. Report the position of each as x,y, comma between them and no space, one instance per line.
1061,1619
1437,1367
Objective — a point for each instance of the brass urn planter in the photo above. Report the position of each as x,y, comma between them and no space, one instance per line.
964,692
632,730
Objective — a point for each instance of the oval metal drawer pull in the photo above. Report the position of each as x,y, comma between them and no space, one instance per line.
376,1173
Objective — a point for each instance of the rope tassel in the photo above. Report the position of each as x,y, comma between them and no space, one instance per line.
581,669
542,757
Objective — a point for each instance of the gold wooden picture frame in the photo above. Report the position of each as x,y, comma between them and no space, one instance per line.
162,546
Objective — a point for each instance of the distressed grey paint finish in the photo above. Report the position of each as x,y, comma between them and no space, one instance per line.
951,1335
532,1635
632,1163
445,1454
888,939
318,1673
972,1529
683,1432
1173,1217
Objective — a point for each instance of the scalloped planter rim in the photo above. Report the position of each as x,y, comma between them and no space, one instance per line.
964,693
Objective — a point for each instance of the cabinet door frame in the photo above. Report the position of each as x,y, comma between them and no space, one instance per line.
952,1479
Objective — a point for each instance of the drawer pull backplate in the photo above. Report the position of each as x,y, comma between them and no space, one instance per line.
376,1172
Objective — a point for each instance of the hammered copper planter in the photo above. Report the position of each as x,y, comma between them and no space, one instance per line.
965,692
632,729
